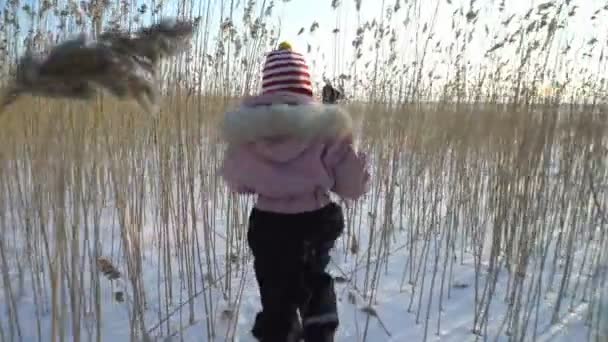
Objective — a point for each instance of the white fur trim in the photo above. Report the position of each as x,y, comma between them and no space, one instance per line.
304,121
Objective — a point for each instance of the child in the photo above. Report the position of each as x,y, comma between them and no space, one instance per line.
290,151
331,95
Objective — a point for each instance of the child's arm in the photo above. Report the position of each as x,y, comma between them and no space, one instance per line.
348,168
232,172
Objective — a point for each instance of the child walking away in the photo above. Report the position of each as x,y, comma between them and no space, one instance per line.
292,151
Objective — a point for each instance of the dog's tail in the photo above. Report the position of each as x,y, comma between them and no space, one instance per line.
27,70
25,76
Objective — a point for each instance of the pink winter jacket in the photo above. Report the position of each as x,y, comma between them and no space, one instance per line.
292,152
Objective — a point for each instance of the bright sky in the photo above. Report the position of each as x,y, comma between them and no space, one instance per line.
296,14
327,54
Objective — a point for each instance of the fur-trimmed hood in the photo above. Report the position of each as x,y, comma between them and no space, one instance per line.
281,131
248,124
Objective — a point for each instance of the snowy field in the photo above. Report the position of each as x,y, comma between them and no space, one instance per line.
456,241
487,219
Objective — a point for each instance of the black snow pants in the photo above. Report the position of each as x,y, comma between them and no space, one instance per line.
291,253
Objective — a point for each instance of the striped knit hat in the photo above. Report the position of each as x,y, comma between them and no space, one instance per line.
285,71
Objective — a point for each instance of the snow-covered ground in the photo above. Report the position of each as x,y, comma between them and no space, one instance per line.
399,311
422,268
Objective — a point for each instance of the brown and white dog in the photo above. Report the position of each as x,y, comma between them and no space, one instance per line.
118,62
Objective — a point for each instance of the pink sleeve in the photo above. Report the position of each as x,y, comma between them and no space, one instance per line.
349,169
233,174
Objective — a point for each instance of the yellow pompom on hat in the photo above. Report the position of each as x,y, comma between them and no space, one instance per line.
285,46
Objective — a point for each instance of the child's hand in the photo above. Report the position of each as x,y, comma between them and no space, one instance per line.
349,168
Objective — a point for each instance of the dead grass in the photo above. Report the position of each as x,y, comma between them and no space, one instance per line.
516,181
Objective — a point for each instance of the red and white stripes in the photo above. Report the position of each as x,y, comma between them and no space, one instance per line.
286,71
